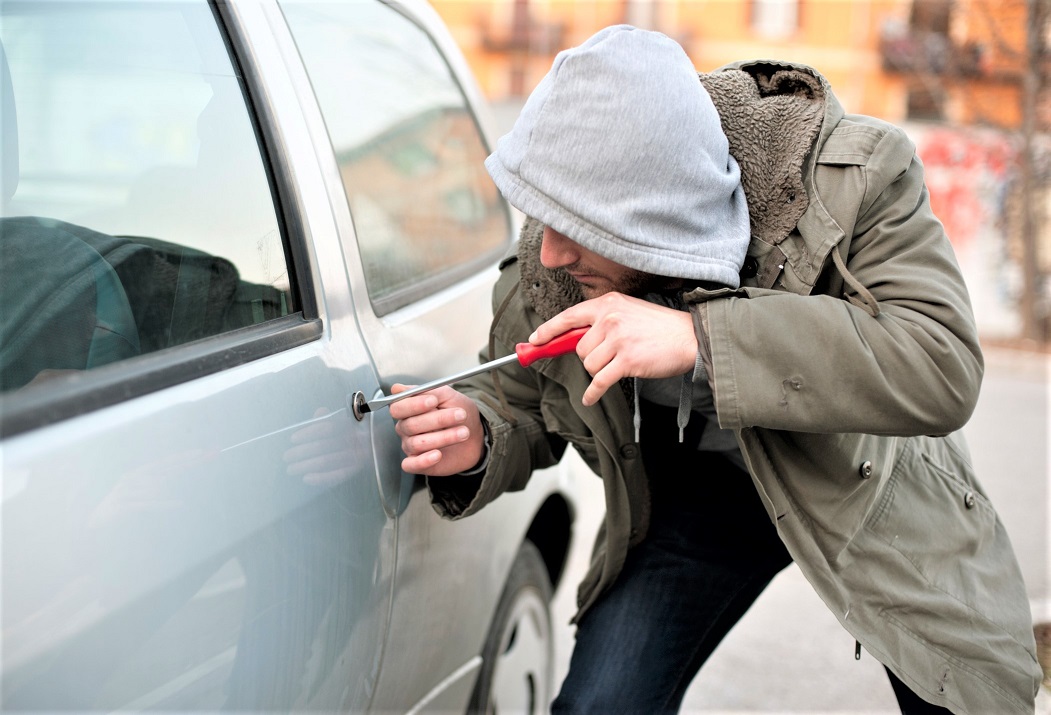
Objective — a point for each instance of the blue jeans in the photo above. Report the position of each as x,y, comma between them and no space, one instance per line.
709,553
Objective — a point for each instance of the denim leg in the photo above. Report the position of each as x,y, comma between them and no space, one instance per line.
910,703
640,646
704,562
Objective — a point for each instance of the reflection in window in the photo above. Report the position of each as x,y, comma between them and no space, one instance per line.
410,156
136,213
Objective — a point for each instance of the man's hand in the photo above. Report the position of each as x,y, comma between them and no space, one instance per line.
629,337
441,431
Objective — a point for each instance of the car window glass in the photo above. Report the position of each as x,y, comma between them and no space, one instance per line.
136,210
410,155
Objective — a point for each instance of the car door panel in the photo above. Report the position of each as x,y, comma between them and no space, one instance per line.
212,539
189,528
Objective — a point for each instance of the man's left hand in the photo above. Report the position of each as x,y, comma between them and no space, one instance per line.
629,337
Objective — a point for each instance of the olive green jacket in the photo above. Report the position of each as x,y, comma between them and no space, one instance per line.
845,364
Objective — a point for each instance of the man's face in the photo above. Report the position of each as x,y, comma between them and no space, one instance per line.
595,274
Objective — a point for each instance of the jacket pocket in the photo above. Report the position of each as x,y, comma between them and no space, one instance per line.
560,418
932,513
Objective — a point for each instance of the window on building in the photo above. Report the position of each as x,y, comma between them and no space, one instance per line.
924,103
774,19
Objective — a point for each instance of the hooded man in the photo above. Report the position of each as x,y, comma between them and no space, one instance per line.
778,328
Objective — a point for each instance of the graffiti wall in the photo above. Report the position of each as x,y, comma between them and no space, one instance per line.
974,182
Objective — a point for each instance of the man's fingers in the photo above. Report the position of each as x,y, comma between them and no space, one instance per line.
440,431
606,378
431,421
422,443
579,316
420,464
413,406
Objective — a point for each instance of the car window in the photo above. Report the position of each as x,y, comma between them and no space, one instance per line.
136,211
409,151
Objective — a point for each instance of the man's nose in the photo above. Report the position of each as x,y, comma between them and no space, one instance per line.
557,250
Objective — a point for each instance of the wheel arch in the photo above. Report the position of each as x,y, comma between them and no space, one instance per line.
551,532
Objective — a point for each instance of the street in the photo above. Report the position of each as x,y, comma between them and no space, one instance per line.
789,654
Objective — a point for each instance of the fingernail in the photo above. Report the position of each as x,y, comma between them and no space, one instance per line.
434,456
462,434
532,337
460,415
430,403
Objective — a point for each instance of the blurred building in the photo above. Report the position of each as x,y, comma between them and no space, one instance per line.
965,61
958,60
511,43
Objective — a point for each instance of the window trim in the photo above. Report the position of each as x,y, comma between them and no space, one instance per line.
275,162
70,396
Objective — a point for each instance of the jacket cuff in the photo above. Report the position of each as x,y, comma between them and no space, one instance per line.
461,495
486,449
452,496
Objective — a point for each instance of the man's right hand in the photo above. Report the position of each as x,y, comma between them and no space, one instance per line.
441,431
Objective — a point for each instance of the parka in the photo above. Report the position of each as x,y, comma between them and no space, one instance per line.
845,363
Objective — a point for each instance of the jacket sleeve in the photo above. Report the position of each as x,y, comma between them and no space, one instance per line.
820,363
519,443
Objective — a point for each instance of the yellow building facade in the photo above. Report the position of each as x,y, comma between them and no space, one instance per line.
954,60
510,44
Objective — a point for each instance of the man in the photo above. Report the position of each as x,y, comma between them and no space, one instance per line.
778,324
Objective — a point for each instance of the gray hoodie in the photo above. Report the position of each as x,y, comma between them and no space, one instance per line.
620,148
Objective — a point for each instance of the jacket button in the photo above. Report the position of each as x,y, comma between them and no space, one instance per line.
750,267
629,451
968,500
865,470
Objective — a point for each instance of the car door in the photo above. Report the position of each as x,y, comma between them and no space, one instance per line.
190,520
403,156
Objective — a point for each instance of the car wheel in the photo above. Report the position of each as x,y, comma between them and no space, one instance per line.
518,658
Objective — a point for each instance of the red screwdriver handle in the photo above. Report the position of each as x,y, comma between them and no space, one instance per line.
564,343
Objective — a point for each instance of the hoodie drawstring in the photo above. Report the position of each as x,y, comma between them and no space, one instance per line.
682,417
637,417
868,302
685,404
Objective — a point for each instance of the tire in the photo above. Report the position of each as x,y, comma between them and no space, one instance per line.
518,658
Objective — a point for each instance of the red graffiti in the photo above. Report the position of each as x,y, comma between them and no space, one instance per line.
967,172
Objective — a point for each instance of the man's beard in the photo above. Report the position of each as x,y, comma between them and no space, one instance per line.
634,283
639,284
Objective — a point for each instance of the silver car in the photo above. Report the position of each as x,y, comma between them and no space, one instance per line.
220,222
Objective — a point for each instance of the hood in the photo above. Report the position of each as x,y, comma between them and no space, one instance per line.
620,148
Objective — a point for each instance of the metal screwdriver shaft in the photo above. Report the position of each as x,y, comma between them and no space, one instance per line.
525,355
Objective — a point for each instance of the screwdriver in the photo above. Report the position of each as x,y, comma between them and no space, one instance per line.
525,354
